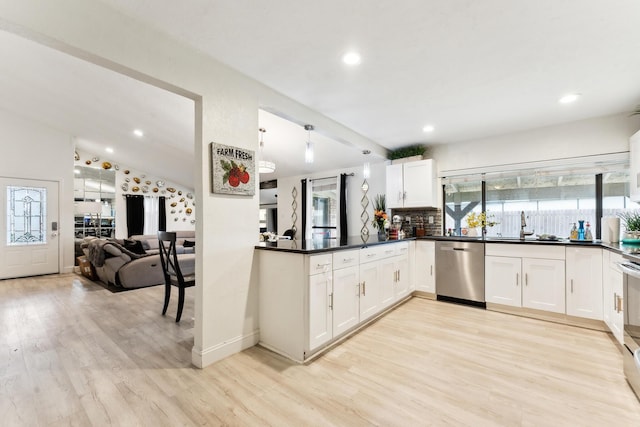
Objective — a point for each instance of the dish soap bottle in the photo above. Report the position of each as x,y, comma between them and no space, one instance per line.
587,233
573,235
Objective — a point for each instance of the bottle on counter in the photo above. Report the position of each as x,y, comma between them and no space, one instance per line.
573,235
587,233
581,229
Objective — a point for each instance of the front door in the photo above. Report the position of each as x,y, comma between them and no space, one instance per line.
28,227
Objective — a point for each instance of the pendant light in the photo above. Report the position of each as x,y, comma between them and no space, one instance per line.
308,152
264,166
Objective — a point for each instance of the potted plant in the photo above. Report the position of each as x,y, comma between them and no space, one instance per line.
413,152
631,223
474,221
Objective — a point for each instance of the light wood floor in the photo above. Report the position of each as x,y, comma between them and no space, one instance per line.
72,353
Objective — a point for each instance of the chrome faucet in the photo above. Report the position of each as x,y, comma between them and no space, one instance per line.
523,225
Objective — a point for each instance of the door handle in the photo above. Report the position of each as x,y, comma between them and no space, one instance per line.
526,279
571,285
364,288
331,301
431,272
517,278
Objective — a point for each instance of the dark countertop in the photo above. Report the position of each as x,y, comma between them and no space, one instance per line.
325,245
357,242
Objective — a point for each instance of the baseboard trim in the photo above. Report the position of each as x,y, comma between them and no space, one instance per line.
210,355
548,316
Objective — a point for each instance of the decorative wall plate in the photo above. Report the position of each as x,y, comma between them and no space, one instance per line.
96,159
171,189
173,211
116,167
145,189
174,204
148,182
160,183
181,199
189,196
106,165
188,211
127,179
135,189
125,187
155,189
180,193
126,172
136,179
87,162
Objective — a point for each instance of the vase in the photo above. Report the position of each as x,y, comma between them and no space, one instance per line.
382,235
472,232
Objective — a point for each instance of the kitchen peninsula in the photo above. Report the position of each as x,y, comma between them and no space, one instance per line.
315,293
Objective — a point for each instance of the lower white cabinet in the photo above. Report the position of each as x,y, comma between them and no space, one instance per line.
425,266
535,279
584,282
612,283
307,301
320,313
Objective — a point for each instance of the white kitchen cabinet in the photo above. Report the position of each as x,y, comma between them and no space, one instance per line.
388,270
634,172
529,276
369,290
613,282
402,286
584,282
345,300
503,280
411,184
308,301
543,284
320,295
424,275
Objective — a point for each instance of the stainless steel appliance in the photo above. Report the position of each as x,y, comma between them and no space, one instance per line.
631,296
460,272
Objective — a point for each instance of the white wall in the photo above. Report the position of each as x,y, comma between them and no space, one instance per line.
354,195
226,104
600,135
31,150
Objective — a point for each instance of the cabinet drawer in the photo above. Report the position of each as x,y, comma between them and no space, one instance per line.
373,253
320,263
614,258
523,250
342,259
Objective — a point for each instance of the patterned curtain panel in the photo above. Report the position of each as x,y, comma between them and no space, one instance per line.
162,214
135,215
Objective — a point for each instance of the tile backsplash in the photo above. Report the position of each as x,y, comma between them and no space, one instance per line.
418,218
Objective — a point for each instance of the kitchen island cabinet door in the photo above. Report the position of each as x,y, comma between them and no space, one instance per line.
369,290
320,312
543,284
503,280
584,282
345,301
425,266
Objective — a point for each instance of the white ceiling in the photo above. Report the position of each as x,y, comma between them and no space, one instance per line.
471,69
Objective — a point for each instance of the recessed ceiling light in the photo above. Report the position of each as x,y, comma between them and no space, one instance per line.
109,150
569,98
428,128
351,58
138,133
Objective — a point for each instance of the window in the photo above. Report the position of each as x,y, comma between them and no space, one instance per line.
553,197
26,215
324,203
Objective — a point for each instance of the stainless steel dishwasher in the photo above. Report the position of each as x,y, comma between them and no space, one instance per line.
460,272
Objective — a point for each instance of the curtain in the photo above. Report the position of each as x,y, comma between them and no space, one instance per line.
344,232
151,215
162,214
135,215
303,208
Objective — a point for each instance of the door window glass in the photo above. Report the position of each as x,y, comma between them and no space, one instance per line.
26,215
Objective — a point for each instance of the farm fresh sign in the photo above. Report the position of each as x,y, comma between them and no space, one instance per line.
233,170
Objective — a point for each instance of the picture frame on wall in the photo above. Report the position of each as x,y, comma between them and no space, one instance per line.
232,170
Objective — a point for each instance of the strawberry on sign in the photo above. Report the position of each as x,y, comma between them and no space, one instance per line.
233,170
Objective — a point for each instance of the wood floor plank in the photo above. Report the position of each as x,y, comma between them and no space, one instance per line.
90,356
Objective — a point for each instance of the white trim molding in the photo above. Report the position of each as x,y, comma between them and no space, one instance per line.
208,356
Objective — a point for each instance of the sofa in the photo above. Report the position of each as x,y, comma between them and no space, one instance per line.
125,264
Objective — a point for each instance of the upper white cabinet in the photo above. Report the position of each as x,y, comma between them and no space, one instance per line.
584,282
634,173
412,184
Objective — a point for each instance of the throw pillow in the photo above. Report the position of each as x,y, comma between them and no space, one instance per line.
188,244
145,244
134,246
